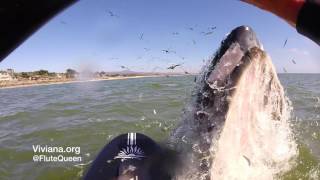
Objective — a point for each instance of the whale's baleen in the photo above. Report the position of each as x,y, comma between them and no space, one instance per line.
196,136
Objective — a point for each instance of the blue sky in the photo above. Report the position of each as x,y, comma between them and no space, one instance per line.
85,36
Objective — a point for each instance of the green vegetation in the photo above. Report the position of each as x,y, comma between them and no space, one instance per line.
23,75
70,73
52,74
41,72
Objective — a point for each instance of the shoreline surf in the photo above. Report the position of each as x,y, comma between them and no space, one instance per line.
47,83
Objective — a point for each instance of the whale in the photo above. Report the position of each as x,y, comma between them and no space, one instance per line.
234,127
237,97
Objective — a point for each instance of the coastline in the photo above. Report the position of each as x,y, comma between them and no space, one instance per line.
64,81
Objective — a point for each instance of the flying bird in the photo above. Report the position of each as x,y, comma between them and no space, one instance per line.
185,71
175,33
207,33
174,66
146,49
194,42
112,14
124,67
190,28
182,57
285,42
167,51
212,28
141,36
284,70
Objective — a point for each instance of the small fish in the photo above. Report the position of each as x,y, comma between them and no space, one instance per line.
248,160
293,61
285,42
154,112
284,70
184,139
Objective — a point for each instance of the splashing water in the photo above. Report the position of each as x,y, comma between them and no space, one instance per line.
256,141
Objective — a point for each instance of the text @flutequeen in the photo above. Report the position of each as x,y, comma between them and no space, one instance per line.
44,153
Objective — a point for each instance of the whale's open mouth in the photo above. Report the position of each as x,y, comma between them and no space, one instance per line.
237,120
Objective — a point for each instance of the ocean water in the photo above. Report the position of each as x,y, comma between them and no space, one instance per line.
88,115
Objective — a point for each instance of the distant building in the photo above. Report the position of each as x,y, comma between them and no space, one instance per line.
36,77
7,75
11,72
61,75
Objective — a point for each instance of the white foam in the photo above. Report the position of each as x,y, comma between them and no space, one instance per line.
256,141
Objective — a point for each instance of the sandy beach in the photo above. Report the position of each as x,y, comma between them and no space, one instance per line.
29,83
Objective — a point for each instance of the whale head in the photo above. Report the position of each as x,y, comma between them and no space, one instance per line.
237,86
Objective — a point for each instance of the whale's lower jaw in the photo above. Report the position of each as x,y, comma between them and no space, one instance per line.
239,57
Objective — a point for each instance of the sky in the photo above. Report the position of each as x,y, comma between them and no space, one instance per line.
85,36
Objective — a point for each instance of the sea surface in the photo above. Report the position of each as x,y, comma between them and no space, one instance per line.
89,114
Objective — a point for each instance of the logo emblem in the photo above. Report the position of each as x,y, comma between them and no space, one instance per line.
132,151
